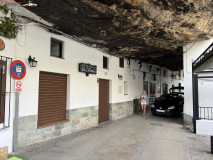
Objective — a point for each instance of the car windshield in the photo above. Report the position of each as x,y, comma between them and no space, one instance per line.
163,97
176,90
166,97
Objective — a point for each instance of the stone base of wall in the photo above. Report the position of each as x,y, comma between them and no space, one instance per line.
79,119
82,118
120,110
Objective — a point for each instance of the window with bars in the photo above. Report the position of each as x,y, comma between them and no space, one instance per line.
5,91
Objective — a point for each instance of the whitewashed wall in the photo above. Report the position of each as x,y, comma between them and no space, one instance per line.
35,41
82,90
205,88
189,56
6,135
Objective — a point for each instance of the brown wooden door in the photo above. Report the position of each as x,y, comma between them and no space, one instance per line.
52,98
2,89
103,112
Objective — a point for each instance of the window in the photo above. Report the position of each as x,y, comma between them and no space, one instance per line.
56,48
5,90
125,88
121,62
105,62
152,88
165,73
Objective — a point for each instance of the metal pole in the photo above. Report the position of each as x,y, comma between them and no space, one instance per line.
193,119
195,99
211,144
15,124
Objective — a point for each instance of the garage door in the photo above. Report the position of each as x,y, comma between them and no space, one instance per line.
52,98
103,101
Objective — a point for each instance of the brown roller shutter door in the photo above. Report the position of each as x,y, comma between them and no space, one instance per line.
52,98
103,101
3,66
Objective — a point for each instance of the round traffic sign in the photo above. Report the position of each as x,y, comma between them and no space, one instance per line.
18,69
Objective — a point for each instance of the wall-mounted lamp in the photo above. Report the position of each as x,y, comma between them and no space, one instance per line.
150,68
128,61
120,77
173,76
140,65
32,61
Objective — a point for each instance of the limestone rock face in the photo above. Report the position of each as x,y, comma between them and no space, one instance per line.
152,31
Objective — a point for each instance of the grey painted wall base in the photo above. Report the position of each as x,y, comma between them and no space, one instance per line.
187,120
79,119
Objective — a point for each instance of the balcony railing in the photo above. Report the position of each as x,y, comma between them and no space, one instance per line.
206,113
208,53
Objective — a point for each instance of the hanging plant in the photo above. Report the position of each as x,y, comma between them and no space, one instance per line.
8,27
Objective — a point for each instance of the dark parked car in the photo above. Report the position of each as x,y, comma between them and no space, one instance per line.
169,104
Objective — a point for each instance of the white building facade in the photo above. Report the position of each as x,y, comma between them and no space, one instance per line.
82,95
205,88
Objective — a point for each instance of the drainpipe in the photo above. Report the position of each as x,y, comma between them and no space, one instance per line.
195,99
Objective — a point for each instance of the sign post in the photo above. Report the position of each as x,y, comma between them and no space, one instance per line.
15,124
18,71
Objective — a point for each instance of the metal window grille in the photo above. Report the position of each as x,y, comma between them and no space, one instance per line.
5,91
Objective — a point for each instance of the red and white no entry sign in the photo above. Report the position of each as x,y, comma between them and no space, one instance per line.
18,86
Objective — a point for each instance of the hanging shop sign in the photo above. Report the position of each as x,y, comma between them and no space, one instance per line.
18,86
87,68
18,69
2,45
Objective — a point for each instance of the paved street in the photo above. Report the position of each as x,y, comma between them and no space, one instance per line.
132,138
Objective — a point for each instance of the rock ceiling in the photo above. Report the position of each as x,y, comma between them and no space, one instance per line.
152,31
